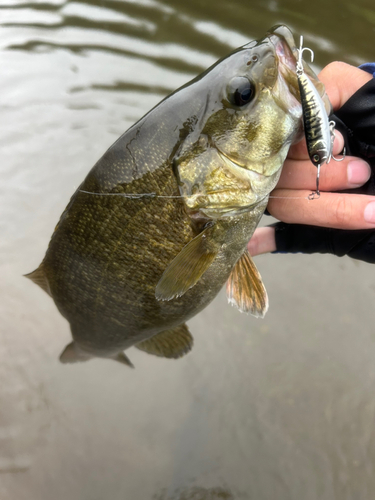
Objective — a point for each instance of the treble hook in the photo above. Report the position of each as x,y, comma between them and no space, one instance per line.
332,126
299,66
315,194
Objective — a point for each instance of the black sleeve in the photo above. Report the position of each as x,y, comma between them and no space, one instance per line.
356,121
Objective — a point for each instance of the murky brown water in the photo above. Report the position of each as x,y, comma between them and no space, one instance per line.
281,408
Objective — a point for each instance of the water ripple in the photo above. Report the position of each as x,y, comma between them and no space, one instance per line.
103,15
80,40
222,35
28,16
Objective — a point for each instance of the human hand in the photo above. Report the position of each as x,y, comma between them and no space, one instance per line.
289,201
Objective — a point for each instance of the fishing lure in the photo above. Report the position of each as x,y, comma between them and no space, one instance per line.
319,131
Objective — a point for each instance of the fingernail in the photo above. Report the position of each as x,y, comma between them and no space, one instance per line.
369,213
358,172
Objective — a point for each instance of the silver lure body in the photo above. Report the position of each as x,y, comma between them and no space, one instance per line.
318,129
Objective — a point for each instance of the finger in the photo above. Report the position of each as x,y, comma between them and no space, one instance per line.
333,76
336,210
262,241
349,173
299,151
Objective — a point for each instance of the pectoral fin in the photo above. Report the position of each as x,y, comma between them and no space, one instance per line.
169,344
245,288
187,268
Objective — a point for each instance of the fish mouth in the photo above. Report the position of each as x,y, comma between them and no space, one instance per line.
285,90
285,47
287,55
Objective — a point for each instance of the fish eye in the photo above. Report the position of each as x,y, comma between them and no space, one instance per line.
240,91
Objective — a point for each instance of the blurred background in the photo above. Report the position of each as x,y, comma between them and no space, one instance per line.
281,408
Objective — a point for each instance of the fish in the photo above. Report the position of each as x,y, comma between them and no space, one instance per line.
162,220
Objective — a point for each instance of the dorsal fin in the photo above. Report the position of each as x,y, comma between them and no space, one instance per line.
245,288
172,343
39,278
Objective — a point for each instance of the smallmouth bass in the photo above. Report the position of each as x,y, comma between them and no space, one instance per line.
163,219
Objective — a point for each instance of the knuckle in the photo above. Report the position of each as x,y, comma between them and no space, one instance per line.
342,211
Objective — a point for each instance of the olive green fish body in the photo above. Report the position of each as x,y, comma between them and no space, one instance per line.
162,221
108,252
125,256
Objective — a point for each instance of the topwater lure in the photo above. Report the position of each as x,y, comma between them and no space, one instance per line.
319,131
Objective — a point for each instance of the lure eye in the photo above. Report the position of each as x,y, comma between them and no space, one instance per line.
319,157
316,158
240,91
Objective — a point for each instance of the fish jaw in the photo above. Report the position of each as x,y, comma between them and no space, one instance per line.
286,90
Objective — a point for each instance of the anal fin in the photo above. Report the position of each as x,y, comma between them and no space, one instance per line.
245,288
74,354
173,343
